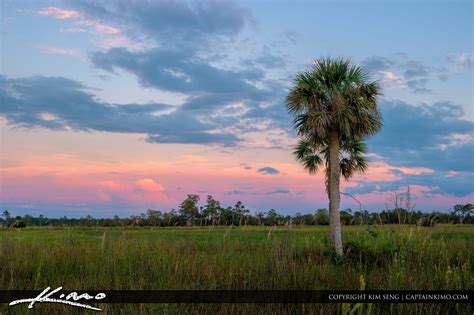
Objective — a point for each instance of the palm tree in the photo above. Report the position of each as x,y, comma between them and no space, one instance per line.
335,108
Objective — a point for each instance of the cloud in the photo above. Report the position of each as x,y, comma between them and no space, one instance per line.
101,28
461,60
413,136
62,104
418,86
392,77
72,30
436,137
195,137
174,23
236,192
120,40
58,13
178,71
109,36
293,36
414,69
401,72
266,59
148,185
142,191
79,20
278,191
71,52
456,140
268,170
444,183
376,64
188,37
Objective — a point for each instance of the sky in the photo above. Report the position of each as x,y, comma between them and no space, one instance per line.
114,107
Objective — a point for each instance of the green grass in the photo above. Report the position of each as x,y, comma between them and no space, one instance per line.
387,257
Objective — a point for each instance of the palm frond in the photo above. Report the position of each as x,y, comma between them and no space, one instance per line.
308,154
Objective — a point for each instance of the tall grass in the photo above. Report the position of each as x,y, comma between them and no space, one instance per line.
385,257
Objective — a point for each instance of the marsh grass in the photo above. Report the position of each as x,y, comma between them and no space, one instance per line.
380,257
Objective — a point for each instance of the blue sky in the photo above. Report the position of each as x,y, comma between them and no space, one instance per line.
204,82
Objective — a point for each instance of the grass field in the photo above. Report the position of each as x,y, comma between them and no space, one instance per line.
382,257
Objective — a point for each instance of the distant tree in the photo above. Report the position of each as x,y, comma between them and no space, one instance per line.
273,217
136,220
42,220
396,198
189,210
169,218
18,223
116,221
260,217
240,211
321,217
211,210
154,217
6,216
463,211
346,216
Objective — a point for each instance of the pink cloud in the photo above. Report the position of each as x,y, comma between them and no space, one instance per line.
59,13
109,36
142,191
101,28
391,78
71,52
149,185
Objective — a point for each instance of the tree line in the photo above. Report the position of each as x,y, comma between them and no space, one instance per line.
212,213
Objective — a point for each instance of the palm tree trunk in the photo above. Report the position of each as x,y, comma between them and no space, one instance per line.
333,192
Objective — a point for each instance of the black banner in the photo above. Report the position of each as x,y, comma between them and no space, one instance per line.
242,296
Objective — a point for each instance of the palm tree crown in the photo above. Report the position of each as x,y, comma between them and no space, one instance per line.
335,95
